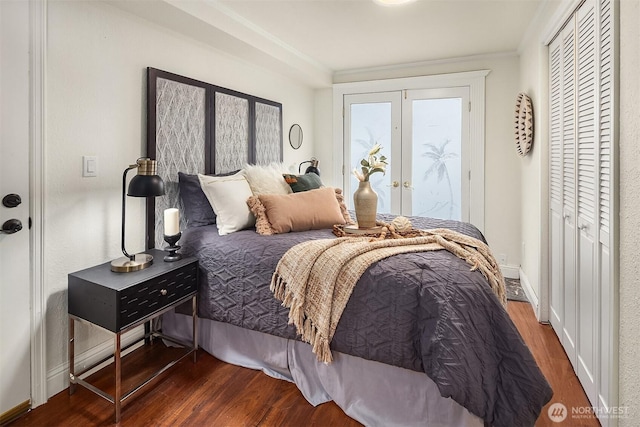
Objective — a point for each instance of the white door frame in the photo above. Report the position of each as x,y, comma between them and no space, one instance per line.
37,171
475,80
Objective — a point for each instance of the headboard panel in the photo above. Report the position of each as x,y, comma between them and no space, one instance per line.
196,127
231,134
268,132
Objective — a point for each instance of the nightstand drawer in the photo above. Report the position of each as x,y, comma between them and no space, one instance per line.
137,302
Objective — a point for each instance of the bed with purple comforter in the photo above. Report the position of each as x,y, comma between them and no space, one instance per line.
425,312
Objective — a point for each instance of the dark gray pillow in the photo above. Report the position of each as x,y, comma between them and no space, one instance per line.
306,182
197,209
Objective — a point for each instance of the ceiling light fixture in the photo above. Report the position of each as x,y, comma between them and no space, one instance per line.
392,2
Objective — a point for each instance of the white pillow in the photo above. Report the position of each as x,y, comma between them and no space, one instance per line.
267,179
228,197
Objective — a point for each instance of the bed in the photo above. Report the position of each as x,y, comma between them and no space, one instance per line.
423,340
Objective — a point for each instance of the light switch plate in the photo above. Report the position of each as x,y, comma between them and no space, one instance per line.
89,166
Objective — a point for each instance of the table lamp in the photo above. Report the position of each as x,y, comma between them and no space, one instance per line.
313,168
145,184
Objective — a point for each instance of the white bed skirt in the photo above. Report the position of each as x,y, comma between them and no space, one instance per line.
373,393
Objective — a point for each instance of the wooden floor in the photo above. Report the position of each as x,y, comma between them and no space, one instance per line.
214,393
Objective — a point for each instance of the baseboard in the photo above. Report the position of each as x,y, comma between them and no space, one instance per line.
528,290
58,377
510,271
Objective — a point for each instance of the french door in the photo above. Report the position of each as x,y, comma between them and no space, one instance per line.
370,119
425,137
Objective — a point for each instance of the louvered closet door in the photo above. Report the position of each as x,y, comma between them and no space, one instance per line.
582,148
607,344
556,297
587,181
562,170
568,64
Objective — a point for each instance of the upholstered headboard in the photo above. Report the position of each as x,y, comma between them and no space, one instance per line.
196,127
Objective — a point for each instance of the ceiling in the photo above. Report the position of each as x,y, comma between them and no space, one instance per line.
314,39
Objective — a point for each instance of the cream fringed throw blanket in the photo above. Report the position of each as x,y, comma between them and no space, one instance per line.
316,278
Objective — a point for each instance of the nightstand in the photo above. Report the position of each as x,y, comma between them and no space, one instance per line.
119,302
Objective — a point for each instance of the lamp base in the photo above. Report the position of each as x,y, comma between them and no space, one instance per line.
126,265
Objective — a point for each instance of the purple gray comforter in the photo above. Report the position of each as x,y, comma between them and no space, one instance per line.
421,311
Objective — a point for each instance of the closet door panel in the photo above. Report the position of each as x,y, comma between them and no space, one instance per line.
607,345
605,121
587,318
556,297
586,174
570,328
586,115
568,132
556,300
606,350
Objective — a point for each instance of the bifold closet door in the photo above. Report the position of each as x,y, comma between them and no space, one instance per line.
586,192
563,302
581,153
606,350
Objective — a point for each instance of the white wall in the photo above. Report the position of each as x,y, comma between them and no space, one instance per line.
323,137
96,94
502,164
629,210
534,182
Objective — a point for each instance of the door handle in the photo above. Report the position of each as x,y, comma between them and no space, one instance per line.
406,184
395,184
11,226
11,200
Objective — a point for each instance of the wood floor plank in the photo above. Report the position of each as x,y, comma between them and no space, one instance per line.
554,364
215,393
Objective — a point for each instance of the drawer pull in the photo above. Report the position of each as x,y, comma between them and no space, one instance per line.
163,291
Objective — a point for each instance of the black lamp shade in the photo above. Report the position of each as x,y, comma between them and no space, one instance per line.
146,186
312,169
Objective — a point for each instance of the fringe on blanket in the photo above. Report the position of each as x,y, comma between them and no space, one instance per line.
320,346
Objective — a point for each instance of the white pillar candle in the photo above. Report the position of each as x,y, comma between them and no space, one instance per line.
171,222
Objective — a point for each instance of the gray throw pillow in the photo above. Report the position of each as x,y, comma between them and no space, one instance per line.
306,182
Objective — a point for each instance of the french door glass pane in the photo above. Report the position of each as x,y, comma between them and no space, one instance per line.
437,158
370,125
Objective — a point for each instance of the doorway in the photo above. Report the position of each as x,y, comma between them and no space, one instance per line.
425,137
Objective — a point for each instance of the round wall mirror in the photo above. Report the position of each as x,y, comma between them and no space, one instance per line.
295,136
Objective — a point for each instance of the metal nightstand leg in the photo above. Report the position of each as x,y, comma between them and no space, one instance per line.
117,398
194,314
72,369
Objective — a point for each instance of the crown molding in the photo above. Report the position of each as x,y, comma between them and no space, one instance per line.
215,25
421,64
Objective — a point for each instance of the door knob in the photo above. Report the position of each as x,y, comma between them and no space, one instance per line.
11,226
395,184
406,184
11,200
